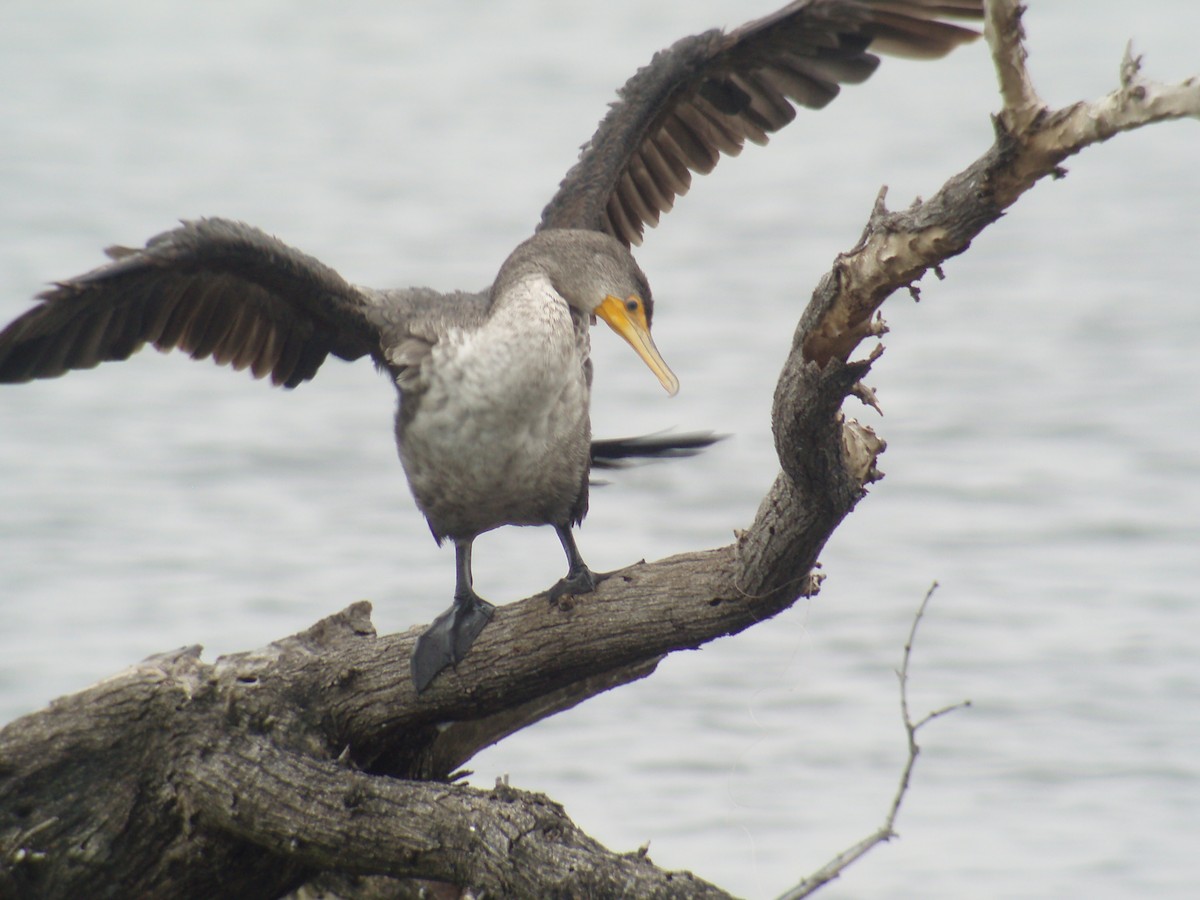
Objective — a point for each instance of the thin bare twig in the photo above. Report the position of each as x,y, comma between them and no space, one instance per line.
834,868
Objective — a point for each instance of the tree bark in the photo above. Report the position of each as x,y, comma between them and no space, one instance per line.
314,757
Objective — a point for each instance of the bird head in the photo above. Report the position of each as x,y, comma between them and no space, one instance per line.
597,275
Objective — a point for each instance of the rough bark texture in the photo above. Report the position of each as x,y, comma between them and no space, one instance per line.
313,758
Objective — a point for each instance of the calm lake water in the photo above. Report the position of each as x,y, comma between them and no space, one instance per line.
1041,413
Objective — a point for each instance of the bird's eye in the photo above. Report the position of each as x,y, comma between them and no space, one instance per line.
631,305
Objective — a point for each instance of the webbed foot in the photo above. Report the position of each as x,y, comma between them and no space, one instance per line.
447,640
582,581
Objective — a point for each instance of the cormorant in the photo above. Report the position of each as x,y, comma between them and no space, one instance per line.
492,425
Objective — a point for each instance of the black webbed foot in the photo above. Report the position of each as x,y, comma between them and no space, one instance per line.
448,639
579,578
583,581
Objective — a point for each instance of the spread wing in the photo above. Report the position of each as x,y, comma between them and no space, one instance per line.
211,287
707,94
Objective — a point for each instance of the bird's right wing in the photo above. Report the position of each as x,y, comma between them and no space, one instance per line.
211,287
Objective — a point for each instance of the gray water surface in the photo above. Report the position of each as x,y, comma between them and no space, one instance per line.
1041,415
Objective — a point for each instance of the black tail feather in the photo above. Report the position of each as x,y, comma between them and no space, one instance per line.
618,453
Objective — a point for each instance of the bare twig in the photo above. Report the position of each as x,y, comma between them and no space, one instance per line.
885,832
1005,35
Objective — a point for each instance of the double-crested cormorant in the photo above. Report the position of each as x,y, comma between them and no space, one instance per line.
492,426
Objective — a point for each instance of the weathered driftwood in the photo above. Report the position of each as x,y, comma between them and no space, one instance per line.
314,758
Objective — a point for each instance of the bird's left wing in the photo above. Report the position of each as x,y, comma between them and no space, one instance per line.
706,95
211,287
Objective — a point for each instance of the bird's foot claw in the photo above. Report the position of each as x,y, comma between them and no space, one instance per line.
447,640
581,582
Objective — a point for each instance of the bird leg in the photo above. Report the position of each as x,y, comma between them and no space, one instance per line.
579,578
447,640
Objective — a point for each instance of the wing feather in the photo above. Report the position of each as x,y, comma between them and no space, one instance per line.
708,94
212,288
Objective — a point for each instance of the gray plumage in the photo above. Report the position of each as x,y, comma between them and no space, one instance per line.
492,424
482,441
